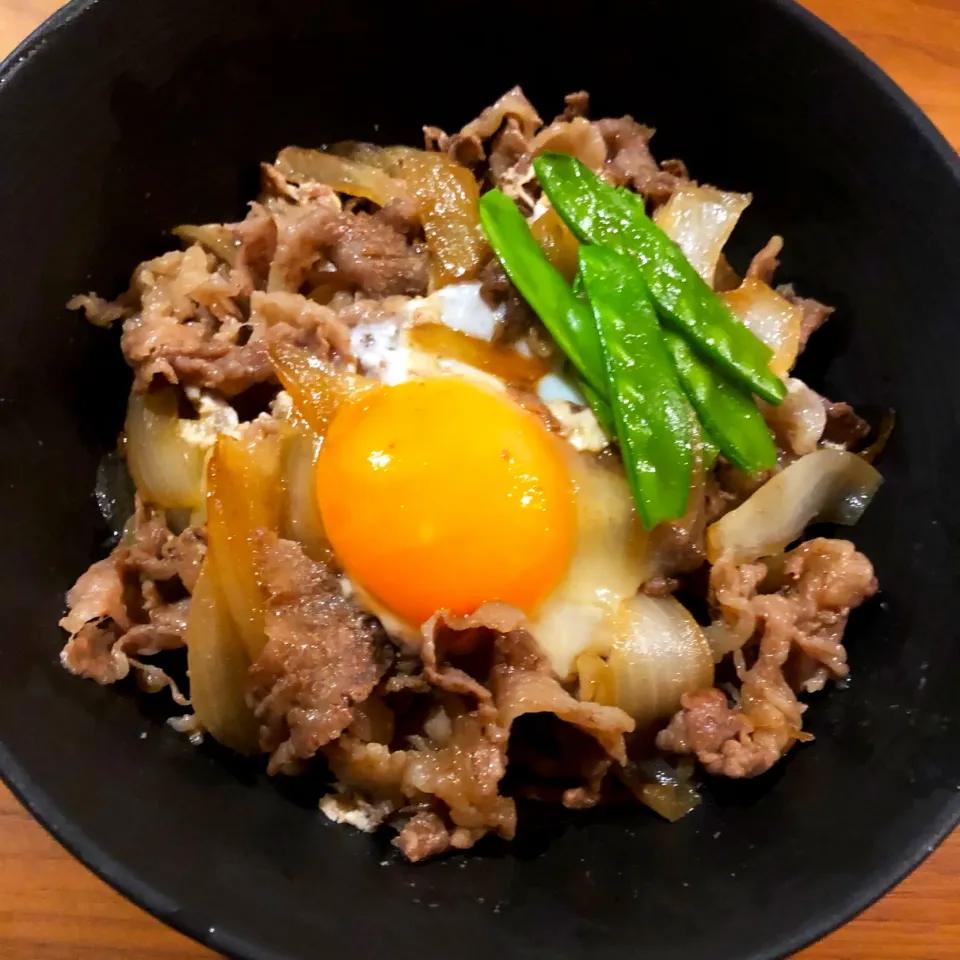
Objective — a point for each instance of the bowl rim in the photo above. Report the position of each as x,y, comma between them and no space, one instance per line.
125,881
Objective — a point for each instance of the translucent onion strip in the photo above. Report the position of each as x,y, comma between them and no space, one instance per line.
216,237
447,197
342,174
665,790
243,482
218,662
776,321
167,470
558,243
506,364
316,387
798,423
301,519
700,220
828,486
659,654
578,137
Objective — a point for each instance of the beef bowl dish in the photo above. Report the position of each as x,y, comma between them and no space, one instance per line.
496,527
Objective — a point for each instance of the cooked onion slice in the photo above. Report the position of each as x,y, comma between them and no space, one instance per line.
243,480
799,422
830,486
505,363
301,519
167,469
559,244
773,319
345,175
700,220
663,789
447,197
658,654
216,237
578,137
316,387
218,663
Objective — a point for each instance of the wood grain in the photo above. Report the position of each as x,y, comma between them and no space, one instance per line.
52,908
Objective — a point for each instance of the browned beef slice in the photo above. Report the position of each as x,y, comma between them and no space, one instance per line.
133,603
322,656
630,162
844,425
702,726
815,313
764,264
792,638
497,289
575,105
424,835
375,257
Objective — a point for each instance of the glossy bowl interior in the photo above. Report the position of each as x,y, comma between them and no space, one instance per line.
122,119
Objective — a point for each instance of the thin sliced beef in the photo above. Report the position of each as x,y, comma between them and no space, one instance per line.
519,691
784,621
401,215
805,419
322,657
450,774
375,257
497,290
510,158
133,603
304,231
520,680
97,595
679,546
826,579
99,312
764,264
576,105
292,318
165,629
844,426
512,105
465,149
815,313
257,237
196,320
155,553
630,162
502,138
703,725
513,110
189,330
451,783
372,253
186,311
722,738
464,774
425,835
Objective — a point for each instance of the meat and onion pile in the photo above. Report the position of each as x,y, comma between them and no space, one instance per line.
477,473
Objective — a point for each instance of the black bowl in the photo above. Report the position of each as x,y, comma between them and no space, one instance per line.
121,119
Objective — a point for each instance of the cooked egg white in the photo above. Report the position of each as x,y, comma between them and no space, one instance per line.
386,350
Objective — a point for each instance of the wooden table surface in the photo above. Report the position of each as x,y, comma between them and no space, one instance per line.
52,908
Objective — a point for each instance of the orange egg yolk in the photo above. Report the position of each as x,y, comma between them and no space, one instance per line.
440,494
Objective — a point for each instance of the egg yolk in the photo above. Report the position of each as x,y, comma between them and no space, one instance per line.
441,494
